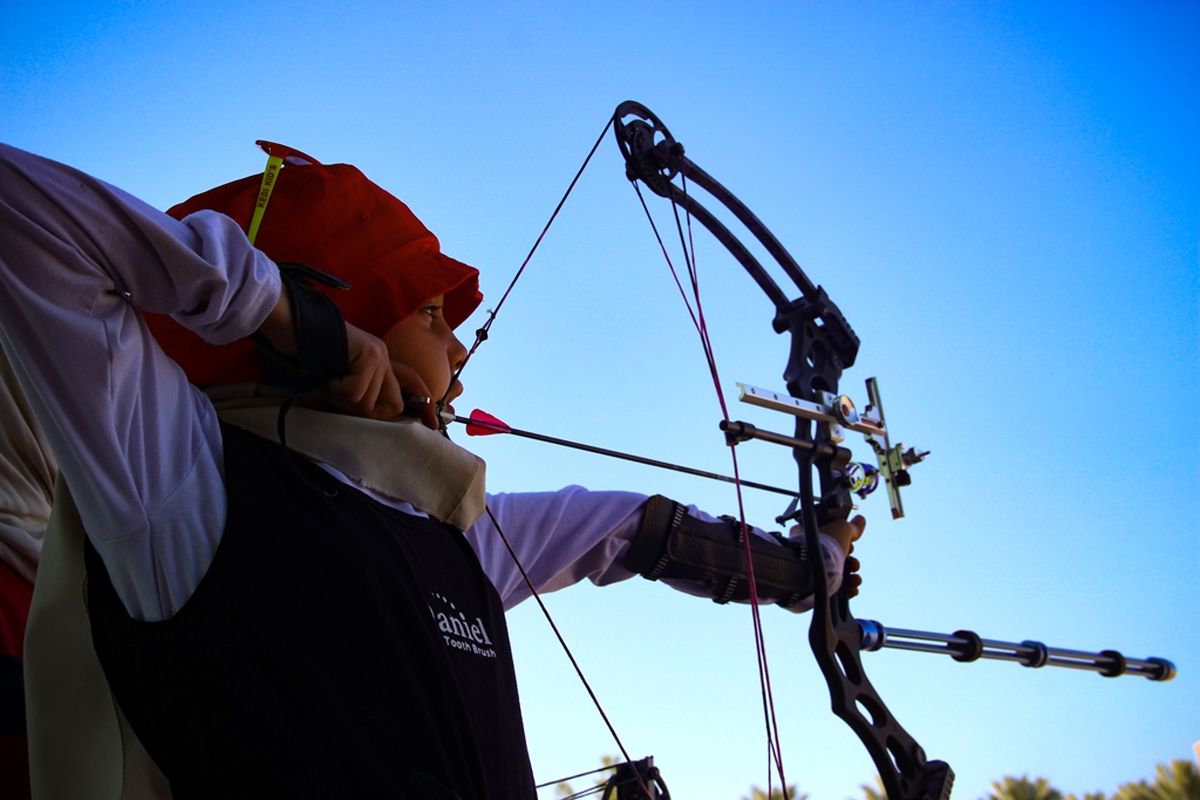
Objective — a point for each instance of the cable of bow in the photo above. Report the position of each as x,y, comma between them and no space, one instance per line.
695,308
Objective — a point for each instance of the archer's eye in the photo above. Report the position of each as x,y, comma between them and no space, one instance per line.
432,309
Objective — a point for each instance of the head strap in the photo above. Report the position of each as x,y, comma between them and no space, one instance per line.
277,154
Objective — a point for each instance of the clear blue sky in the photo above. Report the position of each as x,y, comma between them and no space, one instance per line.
1003,199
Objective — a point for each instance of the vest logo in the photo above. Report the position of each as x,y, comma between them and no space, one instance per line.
460,633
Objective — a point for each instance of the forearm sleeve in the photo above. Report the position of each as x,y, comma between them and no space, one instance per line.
672,544
575,534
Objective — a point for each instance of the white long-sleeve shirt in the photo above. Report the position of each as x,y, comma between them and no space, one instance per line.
141,447
27,471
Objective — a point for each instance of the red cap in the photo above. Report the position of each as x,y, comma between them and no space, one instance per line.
333,218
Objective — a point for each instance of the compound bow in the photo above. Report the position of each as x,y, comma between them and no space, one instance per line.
822,345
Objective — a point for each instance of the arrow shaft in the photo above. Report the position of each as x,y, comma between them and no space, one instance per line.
604,451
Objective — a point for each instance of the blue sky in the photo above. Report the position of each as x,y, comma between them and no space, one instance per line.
1002,198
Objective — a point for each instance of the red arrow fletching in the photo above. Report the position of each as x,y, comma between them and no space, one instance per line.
484,424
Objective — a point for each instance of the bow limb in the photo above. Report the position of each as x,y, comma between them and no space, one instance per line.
822,345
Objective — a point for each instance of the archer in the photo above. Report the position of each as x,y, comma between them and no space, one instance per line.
279,588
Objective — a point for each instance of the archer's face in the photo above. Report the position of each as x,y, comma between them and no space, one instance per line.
424,342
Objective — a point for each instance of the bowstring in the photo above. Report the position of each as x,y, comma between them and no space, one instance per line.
481,336
698,321
563,643
695,310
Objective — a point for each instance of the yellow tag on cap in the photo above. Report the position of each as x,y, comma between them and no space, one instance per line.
274,164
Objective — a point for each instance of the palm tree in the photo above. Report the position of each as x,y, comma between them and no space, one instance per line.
1009,788
1179,780
776,794
876,792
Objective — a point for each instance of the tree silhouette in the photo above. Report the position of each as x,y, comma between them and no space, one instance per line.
1179,780
876,792
1010,788
776,794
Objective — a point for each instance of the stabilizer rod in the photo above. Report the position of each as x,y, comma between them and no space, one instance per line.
968,646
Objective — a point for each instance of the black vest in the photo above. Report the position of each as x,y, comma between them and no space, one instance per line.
335,648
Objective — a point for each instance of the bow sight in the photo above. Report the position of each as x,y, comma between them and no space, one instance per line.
836,414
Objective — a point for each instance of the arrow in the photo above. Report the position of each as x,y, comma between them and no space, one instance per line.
481,423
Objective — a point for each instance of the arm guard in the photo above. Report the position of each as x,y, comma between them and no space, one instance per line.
672,544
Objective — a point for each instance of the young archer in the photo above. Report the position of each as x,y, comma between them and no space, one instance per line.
307,620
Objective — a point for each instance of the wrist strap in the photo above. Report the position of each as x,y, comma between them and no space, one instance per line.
322,352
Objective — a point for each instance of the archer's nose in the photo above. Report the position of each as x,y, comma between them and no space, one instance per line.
457,353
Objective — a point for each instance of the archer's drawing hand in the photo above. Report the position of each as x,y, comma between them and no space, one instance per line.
847,532
370,388
376,385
